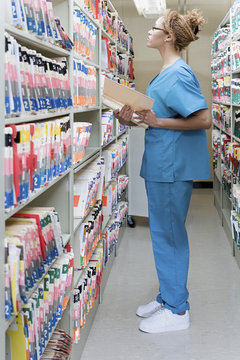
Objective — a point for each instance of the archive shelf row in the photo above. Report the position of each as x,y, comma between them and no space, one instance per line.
58,193
225,120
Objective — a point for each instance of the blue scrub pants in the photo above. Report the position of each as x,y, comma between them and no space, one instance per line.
168,205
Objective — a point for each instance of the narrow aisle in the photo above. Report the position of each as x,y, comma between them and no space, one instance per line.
214,296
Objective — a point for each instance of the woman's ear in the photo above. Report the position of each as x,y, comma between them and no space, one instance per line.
169,38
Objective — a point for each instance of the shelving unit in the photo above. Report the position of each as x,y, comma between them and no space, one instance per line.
222,201
58,193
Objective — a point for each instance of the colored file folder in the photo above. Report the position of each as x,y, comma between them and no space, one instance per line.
116,95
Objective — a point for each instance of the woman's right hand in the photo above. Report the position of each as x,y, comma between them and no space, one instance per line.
124,115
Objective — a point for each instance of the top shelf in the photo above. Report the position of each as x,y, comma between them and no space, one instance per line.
89,16
42,45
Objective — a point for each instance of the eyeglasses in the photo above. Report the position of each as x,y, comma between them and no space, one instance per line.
157,28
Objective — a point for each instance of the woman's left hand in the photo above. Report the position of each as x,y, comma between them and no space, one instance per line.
148,117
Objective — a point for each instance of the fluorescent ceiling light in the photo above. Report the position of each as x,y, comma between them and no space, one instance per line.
150,8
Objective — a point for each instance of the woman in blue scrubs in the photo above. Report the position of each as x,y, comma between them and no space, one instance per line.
176,153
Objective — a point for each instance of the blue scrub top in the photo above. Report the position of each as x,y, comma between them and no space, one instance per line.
175,155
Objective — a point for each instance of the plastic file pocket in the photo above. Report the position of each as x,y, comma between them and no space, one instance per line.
107,126
33,240
33,83
84,84
35,154
38,318
84,34
37,18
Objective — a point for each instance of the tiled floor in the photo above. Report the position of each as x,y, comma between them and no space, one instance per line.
214,286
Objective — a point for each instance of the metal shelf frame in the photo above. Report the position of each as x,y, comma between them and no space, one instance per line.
59,192
222,201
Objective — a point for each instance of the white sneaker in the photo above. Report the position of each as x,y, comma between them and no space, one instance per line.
163,321
149,309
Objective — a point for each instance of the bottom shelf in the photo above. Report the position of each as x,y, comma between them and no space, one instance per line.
227,225
217,203
227,218
77,349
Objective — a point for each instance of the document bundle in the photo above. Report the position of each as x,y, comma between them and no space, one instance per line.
235,221
115,156
111,232
89,234
38,318
84,34
109,20
222,117
33,240
227,181
236,197
108,55
84,84
110,198
221,89
81,135
94,7
122,35
221,65
37,18
88,187
33,83
86,291
216,140
59,346
107,126
35,153
122,182
220,39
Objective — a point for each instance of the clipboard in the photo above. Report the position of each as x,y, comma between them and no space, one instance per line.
116,96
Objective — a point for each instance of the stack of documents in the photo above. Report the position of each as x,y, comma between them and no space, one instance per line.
115,156
110,237
84,84
33,240
59,346
235,221
110,198
89,234
86,291
37,320
111,232
84,34
88,187
120,212
33,83
109,55
35,153
109,20
122,184
81,135
121,127
37,18
107,126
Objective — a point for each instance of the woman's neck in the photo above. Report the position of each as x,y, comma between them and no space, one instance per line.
169,56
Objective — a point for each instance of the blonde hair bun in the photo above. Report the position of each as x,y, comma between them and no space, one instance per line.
194,20
184,27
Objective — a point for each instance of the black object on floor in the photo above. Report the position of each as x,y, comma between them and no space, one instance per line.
131,222
202,184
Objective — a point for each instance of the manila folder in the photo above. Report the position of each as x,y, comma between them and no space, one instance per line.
116,95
